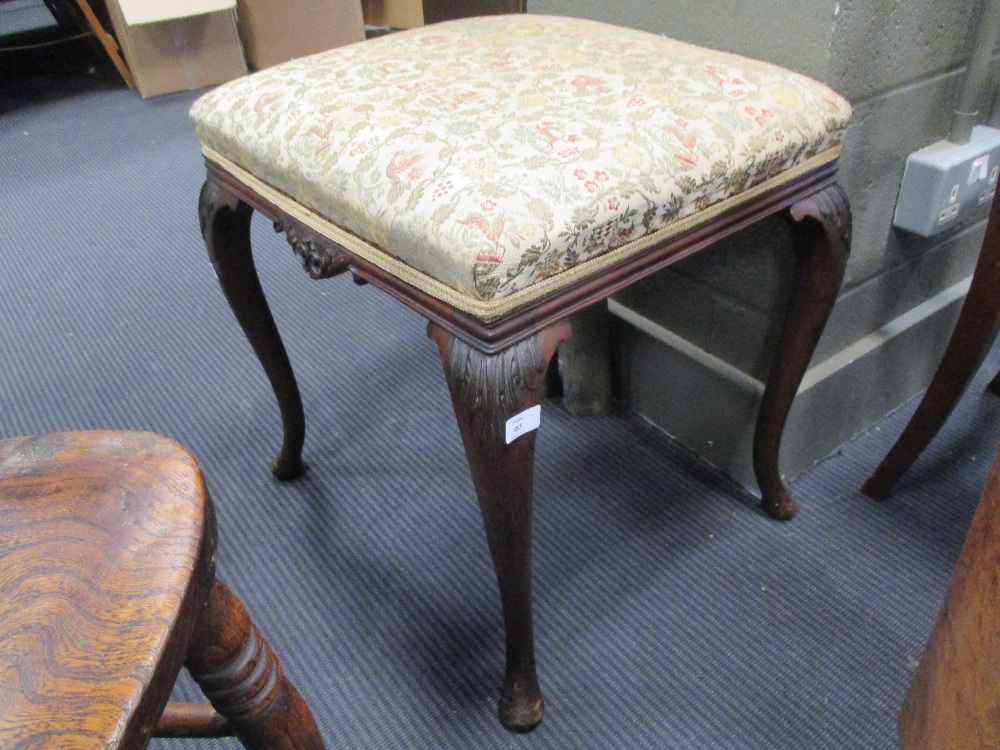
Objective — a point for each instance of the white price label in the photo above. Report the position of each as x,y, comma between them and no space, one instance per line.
523,423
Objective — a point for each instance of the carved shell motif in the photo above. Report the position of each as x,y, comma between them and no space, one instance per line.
319,260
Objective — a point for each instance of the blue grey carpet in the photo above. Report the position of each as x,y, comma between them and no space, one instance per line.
670,612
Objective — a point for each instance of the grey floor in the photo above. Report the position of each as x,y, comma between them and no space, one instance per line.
17,16
671,613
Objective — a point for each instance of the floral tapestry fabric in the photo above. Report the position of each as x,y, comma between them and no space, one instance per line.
492,153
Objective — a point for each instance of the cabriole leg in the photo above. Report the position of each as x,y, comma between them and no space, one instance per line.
225,225
487,391
975,331
822,228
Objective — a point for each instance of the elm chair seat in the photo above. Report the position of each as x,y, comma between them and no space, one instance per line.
500,175
107,588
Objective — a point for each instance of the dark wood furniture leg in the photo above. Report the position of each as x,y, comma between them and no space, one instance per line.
954,698
585,363
225,225
975,331
239,673
994,385
487,391
822,227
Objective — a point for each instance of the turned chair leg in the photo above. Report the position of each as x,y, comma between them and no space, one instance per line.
225,225
975,331
487,392
239,673
822,227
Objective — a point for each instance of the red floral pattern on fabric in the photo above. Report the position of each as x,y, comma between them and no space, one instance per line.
492,153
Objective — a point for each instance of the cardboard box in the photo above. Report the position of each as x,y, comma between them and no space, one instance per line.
178,45
274,32
399,14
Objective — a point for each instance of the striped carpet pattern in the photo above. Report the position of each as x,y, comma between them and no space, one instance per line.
670,612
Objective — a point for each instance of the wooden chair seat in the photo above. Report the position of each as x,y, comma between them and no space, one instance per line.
500,175
107,588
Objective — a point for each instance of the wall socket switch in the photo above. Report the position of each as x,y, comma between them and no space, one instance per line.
946,181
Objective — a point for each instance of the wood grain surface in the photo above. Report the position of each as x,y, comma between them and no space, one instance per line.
954,700
106,539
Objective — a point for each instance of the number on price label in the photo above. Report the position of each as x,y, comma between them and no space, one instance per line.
523,423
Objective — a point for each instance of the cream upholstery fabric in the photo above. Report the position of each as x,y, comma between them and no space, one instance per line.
493,153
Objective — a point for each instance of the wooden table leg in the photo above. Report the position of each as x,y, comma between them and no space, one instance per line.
487,391
822,229
975,331
225,225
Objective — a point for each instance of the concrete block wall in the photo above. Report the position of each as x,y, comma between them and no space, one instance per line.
697,339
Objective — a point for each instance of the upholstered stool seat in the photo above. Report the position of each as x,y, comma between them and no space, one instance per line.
499,175
483,160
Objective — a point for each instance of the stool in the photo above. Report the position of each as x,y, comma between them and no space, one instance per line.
107,565
499,175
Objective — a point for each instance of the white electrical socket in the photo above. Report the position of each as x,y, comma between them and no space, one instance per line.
946,181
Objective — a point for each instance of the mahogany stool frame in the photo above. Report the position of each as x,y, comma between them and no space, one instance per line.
496,370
